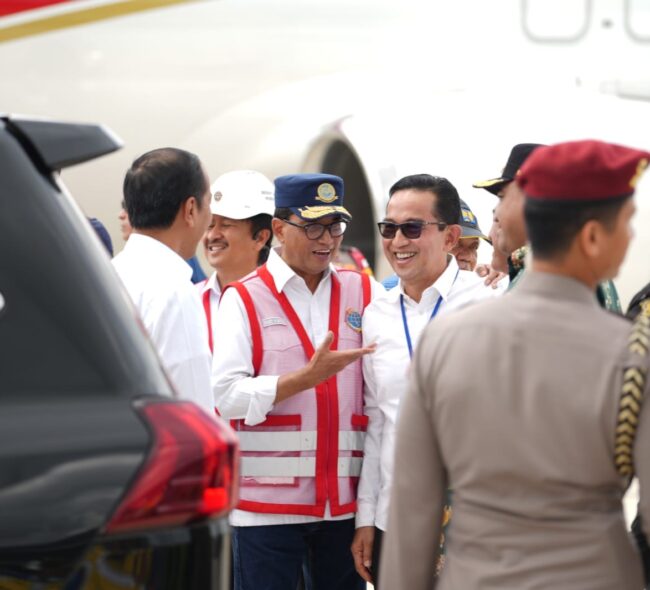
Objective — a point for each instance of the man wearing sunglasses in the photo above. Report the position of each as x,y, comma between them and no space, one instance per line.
419,232
466,250
287,372
520,404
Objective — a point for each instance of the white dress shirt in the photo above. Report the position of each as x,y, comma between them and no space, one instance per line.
159,283
385,374
239,395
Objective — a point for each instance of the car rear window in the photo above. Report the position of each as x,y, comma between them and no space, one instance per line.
39,346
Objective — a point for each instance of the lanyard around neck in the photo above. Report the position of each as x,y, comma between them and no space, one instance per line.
407,333
406,324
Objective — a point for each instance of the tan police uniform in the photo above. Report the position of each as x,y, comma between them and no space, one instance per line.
514,404
525,437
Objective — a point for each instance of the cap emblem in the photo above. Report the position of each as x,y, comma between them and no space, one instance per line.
353,319
640,167
326,193
468,216
217,196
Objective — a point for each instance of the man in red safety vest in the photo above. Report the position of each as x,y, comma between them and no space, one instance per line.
287,373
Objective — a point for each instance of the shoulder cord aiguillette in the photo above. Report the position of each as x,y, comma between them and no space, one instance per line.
631,400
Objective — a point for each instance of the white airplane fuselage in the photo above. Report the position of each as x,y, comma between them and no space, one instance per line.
371,90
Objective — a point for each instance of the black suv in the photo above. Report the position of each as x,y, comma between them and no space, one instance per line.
107,480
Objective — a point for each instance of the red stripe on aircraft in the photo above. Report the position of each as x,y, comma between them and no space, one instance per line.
8,7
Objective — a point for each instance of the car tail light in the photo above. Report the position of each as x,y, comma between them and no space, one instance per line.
191,471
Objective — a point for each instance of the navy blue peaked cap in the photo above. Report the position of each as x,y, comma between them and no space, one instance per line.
469,223
311,196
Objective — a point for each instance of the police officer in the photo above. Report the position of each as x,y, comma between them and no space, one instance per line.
639,311
289,374
511,235
530,451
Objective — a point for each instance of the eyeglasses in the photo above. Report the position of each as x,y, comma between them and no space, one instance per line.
314,231
411,229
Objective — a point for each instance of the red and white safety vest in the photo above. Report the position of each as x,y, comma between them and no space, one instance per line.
309,449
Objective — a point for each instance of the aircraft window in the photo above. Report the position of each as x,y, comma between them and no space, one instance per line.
555,21
637,19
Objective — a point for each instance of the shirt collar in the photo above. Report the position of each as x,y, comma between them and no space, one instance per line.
212,283
282,273
159,255
441,287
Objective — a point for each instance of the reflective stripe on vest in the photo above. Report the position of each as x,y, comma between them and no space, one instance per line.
267,442
295,466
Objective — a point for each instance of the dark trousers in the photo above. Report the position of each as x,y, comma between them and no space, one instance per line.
271,557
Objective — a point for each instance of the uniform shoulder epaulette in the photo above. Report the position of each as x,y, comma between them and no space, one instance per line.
639,302
632,393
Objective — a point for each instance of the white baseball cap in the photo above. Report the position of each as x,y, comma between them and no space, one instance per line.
241,194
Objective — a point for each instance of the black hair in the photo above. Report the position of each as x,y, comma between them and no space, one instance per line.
157,185
447,202
282,212
552,226
258,223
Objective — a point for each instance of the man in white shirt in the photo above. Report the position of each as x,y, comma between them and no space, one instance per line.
419,231
167,196
287,370
239,236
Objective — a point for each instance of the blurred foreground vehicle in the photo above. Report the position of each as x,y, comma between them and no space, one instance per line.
106,479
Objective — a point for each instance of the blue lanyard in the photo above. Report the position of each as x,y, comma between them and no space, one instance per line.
406,325
405,322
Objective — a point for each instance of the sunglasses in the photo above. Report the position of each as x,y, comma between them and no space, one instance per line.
314,231
411,229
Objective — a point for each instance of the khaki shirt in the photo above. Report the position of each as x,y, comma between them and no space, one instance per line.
513,404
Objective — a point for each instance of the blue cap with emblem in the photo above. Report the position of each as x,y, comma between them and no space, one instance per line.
469,223
311,196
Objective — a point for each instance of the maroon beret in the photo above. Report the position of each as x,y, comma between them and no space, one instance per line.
587,170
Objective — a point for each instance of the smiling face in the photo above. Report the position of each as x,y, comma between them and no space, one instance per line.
307,258
420,261
230,247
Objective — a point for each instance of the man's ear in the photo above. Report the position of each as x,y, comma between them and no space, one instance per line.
452,237
590,238
278,229
189,211
261,238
